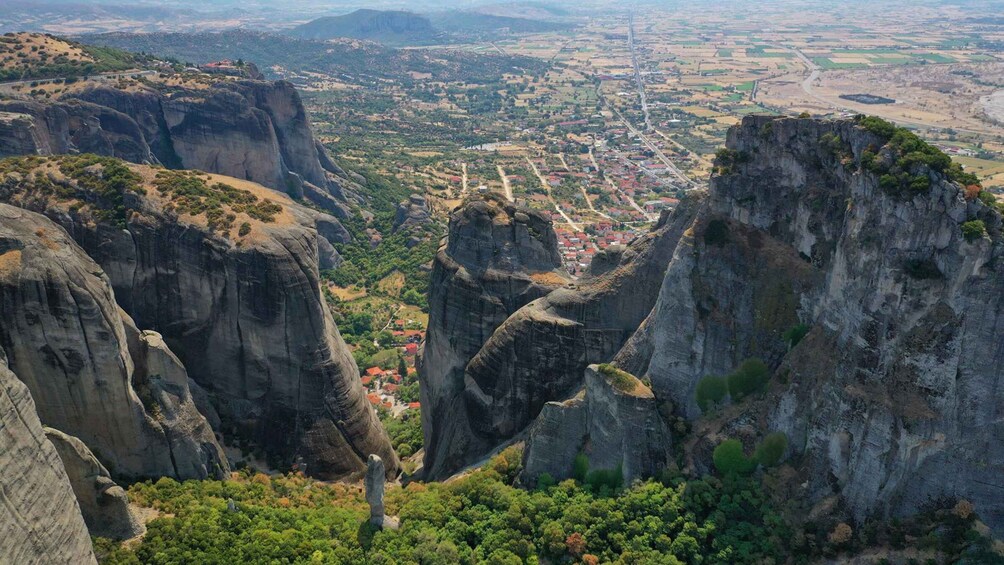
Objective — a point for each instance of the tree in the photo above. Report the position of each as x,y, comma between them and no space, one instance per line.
402,367
730,459
771,449
710,392
750,377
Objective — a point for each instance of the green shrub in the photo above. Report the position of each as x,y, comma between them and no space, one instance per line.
711,390
973,230
717,233
749,378
795,334
620,380
729,458
771,450
611,478
545,481
580,467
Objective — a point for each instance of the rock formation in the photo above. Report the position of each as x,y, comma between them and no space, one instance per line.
40,521
613,421
496,259
375,482
557,336
239,303
890,399
852,229
246,129
90,370
412,213
103,503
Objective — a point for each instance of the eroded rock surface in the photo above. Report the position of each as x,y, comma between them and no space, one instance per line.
87,364
614,422
243,311
892,398
541,350
247,129
40,521
104,504
497,258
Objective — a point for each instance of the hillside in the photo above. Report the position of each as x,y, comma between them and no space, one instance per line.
27,56
350,61
387,27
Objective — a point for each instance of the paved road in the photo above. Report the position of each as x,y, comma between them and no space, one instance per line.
640,84
103,77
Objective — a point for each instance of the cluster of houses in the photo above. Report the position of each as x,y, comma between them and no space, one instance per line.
382,384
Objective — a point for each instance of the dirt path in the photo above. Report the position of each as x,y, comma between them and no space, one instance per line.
616,188
505,183
547,188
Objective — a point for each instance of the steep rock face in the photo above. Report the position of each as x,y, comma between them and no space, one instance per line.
104,504
613,421
243,311
246,129
413,212
40,521
72,126
88,366
541,351
893,397
497,258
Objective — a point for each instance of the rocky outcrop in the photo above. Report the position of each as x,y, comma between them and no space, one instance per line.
90,370
497,259
892,397
40,521
104,504
613,421
241,306
412,213
374,483
73,126
247,129
558,335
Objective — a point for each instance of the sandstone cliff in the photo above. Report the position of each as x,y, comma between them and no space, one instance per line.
857,233
252,130
40,521
497,258
90,370
891,399
103,504
541,351
613,421
227,272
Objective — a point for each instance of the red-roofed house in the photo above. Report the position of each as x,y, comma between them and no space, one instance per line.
414,405
411,349
373,398
367,381
373,371
390,387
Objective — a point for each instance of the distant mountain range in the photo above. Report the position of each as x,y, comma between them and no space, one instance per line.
383,26
392,27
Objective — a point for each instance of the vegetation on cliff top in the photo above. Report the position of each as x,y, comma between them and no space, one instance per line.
92,183
27,56
98,185
901,175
